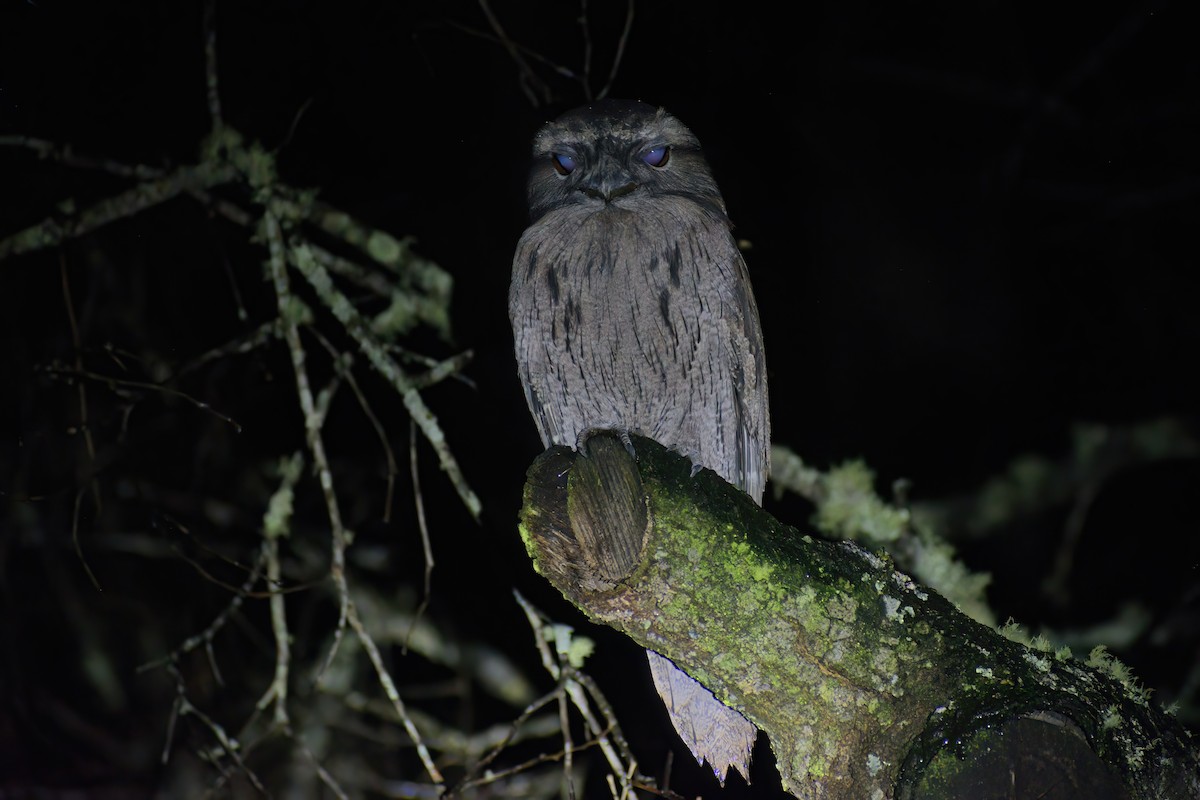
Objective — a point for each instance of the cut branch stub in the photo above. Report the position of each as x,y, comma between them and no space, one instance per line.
606,507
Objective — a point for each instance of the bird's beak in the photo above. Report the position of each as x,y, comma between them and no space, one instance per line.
608,181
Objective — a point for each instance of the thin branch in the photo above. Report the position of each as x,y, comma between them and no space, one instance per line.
84,427
537,623
525,766
423,527
528,78
377,283
322,773
205,637
620,54
63,154
568,757
469,778
610,718
533,55
277,525
439,371
301,256
56,371
316,446
392,253
389,688
75,540
615,762
147,194
267,332
342,363
1090,65
325,398
210,63
229,746
587,51
572,682
291,131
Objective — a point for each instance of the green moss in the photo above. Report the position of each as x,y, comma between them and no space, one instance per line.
852,510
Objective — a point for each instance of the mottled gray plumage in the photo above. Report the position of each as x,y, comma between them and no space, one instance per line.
631,309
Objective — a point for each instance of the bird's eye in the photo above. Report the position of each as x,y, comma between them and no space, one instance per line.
563,163
657,156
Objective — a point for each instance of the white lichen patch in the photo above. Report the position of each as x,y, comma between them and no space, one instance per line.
1038,663
873,560
894,611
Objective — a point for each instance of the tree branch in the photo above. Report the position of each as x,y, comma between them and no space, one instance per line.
864,680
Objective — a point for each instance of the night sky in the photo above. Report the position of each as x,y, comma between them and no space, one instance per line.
971,228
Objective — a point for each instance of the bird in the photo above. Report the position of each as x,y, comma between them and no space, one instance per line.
632,310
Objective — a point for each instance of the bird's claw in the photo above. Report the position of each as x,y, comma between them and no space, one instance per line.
581,441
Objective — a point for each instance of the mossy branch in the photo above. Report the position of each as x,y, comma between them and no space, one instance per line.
848,507
867,683
151,192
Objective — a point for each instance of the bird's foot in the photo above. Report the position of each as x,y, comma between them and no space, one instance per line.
581,441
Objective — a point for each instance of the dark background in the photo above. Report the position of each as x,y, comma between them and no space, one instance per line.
972,227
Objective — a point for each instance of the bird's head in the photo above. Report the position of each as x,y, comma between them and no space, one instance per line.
612,155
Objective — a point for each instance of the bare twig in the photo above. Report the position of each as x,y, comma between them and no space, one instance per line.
572,681
610,718
426,547
587,50
342,362
84,427
210,63
535,89
441,370
229,746
568,757
322,773
205,637
75,539
469,778
525,766
260,336
1086,67
389,688
56,371
620,54
532,55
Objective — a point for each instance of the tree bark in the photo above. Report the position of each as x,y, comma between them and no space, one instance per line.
869,685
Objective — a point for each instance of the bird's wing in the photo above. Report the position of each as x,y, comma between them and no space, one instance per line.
749,370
